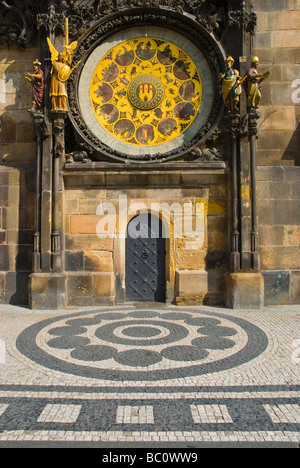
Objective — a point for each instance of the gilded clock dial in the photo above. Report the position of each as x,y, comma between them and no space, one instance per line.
146,91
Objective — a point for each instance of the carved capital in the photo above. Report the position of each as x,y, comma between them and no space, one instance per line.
253,118
233,125
39,123
243,18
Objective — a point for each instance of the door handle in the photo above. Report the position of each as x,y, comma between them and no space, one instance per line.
145,254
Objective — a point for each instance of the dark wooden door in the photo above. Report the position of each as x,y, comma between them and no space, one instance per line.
145,260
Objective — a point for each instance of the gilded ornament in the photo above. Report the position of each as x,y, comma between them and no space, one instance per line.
61,72
146,91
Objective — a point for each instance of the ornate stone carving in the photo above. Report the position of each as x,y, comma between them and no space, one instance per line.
58,132
242,17
21,18
16,22
77,156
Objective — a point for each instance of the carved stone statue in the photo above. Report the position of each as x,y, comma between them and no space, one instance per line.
231,86
254,80
77,156
37,81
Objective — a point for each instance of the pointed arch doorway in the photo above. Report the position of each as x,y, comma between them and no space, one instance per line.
145,259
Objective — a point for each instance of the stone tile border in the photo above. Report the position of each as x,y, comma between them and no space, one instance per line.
151,436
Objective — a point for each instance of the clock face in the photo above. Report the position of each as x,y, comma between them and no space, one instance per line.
146,91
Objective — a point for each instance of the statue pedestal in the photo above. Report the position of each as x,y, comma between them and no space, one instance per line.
47,291
244,290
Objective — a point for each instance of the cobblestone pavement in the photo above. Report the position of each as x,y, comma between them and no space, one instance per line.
150,375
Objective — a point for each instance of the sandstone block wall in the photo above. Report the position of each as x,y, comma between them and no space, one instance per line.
277,45
195,266
17,175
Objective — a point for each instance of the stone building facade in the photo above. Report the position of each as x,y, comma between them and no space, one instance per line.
221,194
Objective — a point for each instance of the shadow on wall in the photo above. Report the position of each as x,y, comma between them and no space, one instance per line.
292,151
17,179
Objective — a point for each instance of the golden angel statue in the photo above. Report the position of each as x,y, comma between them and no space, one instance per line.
60,73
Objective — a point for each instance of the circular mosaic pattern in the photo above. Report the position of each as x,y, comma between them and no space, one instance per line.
144,80
142,345
171,332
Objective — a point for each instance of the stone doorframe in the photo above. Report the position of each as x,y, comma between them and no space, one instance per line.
120,254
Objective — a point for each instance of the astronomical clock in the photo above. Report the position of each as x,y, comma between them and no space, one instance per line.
146,93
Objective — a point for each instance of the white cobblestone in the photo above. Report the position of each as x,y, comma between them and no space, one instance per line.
60,413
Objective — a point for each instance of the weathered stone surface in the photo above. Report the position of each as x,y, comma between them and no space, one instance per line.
277,287
71,206
216,260
191,282
2,287
213,206
89,242
244,290
271,190
104,284
295,287
2,237
47,291
190,259
4,257
270,173
91,224
98,261
284,39
293,235
190,299
79,284
285,258
273,236
73,260
279,212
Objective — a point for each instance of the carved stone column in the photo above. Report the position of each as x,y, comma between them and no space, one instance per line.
39,124
253,135
58,119
47,285
233,130
244,282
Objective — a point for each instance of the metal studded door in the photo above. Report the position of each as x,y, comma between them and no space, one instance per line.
145,260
